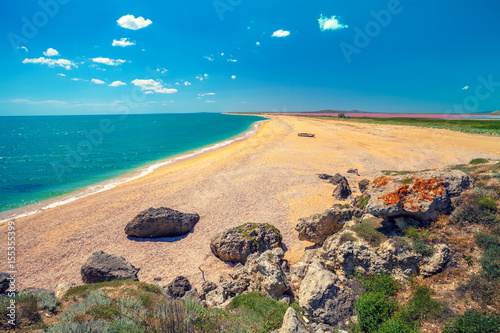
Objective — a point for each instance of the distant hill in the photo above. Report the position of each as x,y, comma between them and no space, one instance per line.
495,113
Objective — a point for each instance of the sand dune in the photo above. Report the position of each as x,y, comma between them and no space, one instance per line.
270,177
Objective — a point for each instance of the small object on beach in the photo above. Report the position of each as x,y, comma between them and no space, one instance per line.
354,171
236,244
161,222
337,179
324,176
342,191
5,279
101,267
307,135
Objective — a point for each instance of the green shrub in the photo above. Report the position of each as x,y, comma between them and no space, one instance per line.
346,237
380,283
422,248
367,231
490,260
421,305
363,201
487,203
397,325
479,207
373,309
407,181
478,161
474,322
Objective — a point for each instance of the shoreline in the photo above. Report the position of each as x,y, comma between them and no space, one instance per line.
111,183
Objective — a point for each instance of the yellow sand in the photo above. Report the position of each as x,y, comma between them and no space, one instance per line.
270,177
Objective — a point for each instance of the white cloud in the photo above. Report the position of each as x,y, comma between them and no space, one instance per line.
153,86
76,79
162,70
186,83
24,48
108,61
149,92
232,60
117,84
209,58
122,42
281,33
51,52
257,43
202,77
465,88
207,94
331,23
27,101
61,74
51,62
130,22
233,77
207,101
97,81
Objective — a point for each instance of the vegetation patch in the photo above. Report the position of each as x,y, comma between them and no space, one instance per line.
478,161
346,237
474,322
407,181
367,230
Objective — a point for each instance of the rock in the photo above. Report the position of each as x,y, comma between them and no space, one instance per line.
323,297
324,176
178,287
404,222
101,267
354,171
161,222
216,297
5,279
286,299
344,256
363,185
235,288
342,191
267,273
436,263
337,179
62,288
193,296
236,244
319,227
208,286
291,323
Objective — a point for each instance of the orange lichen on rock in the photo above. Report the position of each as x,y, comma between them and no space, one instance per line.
381,181
428,189
396,196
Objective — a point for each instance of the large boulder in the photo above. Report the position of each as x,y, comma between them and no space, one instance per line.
422,195
267,273
337,179
291,323
319,227
101,266
342,191
436,263
236,244
161,222
324,298
5,279
178,287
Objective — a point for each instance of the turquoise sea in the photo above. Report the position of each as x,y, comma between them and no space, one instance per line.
44,157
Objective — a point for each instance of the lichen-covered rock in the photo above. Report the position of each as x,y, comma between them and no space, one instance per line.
236,244
319,227
291,323
422,195
344,257
161,222
436,263
101,267
323,297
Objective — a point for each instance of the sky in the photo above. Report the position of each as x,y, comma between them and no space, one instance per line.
65,57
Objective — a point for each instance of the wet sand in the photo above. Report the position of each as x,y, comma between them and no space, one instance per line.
270,177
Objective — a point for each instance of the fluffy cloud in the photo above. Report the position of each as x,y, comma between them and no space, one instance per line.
207,94
209,58
130,22
232,60
257,43
186,83
61,74
281,33
153,86
51,62
465,88
97,81
117,84
331,23
51,52
162,70
108,61
233,77
23,48
122,42
202,77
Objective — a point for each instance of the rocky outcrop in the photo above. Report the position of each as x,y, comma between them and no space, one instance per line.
236,244
363,185
291,323
5,279
178,287
337,179
216,297
421,195
344,256
266,273
101,267
324,176
324,298
161,222
208,286
436,263
319,227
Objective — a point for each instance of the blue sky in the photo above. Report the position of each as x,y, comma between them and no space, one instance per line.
94,57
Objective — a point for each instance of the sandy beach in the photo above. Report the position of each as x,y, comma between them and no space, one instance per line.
270,177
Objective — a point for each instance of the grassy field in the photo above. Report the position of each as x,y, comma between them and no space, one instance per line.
491,127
